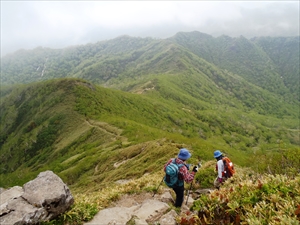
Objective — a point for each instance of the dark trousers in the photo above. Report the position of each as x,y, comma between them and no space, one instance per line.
179,191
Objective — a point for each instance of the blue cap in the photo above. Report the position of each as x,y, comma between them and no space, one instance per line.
217,153
184,154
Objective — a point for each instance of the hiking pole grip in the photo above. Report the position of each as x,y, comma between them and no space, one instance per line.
199,166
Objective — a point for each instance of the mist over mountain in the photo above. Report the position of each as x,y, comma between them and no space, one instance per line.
254,60
29,24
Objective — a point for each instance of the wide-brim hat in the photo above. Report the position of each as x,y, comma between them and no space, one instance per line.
217,153
184,154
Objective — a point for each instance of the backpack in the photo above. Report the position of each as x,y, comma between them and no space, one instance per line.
171,177
228,167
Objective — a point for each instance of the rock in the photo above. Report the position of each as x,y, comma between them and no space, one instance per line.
197,193
141,209
41,199
168,218
48,191
6,196
151,210
20,212
203,191
167,197
2,190
188,201
115,215
11,193
148,211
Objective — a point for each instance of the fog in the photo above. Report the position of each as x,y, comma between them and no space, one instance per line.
56,24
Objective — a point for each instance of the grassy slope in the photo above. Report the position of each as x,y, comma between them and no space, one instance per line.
83,132
286,58
55,136
179,97
92,136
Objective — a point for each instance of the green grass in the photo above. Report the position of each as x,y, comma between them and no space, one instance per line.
102,127
168,97
247,197
251,198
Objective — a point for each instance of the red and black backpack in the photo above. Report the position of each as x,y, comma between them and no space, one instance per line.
228,167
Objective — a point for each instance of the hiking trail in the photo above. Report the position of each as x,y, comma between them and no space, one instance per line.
144,209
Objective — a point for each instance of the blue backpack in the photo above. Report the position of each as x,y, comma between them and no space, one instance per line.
171,177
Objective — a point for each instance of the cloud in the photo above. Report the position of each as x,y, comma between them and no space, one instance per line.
57,24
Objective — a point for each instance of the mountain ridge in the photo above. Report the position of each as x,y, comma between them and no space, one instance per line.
104,60
98,105
72,126
238,54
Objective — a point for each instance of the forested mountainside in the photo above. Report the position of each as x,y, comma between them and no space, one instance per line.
285,57
267,62
115,98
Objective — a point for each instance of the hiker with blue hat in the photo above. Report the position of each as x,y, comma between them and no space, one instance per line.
224,168
177,172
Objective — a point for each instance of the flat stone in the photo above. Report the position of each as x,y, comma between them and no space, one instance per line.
168,218
113,216
22,213
166,197
151,209
8,195
11,193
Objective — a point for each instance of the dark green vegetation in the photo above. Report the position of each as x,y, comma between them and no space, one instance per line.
270,63
249,199
118,109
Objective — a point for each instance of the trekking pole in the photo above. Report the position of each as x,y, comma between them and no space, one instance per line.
199,166
189,193
158,187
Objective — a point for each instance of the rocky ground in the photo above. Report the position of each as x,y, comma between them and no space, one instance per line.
143,209
41,199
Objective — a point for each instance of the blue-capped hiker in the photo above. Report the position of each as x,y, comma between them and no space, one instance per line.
224,168
183,174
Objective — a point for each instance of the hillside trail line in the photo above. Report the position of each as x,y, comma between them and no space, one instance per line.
107,128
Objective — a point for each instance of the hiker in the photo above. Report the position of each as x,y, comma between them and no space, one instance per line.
183,174
224,167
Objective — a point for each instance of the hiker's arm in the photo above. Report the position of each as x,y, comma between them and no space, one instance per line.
188,177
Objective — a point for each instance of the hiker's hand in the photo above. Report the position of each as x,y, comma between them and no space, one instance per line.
220,180
195,169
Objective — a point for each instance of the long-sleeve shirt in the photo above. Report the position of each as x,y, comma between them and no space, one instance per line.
220,168
183,173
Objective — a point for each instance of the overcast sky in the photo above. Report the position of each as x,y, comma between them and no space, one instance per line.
58,24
